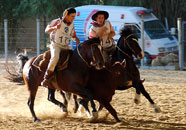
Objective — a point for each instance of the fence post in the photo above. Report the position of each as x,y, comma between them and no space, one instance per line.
6,39
38,36
142,40
180,43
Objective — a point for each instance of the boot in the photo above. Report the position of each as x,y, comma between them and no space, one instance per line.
47,76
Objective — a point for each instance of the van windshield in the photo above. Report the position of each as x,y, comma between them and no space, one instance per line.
155,29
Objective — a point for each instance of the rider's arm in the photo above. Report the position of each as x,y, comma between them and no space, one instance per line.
92,33
52,26
74,36
112,32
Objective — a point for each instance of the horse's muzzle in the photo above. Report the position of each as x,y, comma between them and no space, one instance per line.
140,55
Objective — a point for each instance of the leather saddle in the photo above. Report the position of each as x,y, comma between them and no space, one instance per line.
42,61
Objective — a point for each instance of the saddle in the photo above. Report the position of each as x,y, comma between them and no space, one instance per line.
42,61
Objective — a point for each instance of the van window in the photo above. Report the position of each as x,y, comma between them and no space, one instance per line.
155,29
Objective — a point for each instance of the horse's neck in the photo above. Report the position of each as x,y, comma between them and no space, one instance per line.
123,51
77,64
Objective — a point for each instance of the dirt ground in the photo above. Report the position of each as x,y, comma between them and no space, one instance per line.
166,88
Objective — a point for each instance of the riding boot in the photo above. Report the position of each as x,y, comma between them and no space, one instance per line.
47,77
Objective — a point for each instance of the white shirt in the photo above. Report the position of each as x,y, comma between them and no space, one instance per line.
62,36
106,42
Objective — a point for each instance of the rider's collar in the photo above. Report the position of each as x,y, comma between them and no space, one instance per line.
95,23
68,23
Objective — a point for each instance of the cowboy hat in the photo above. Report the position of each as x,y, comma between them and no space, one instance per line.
105,13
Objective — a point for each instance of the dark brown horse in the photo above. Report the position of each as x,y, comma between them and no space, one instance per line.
103,84
73,79
128,46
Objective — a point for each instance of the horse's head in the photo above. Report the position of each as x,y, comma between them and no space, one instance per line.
22,59
121,74
90,53
129,43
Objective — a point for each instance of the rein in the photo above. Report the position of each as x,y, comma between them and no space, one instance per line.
83,58
127,45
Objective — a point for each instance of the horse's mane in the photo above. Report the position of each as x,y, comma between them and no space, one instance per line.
92,41
89,42
125,31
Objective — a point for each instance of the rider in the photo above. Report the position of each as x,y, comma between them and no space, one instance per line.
61,31
103,29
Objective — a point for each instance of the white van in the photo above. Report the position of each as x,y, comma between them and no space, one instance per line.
158,40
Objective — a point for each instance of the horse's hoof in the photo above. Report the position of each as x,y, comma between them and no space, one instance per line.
64,109
157,110
94,115
137,98
36,120
118,120
136,101
65,114
75,110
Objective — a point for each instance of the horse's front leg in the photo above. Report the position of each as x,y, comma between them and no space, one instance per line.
112,111
84,104
76,105
144,92
79,90
94,110
63,94
51,97
137,94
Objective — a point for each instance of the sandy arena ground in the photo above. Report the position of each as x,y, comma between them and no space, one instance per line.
166,88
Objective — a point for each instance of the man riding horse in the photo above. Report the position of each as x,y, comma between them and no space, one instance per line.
103,29
61,31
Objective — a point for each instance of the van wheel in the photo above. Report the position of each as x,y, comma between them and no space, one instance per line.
147,59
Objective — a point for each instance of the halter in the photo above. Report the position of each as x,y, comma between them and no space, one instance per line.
128,46
84,59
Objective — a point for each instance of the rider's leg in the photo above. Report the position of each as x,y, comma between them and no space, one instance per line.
55,51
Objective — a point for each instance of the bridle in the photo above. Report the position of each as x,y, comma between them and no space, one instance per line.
125,41
93,57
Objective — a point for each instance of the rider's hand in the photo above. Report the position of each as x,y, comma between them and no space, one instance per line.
58,25
102,32
104,29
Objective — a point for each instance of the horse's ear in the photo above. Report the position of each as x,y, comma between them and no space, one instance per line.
123,63
115,63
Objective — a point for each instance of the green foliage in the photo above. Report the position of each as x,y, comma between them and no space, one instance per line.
17,10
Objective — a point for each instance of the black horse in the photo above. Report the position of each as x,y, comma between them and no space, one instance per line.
73,79
127,46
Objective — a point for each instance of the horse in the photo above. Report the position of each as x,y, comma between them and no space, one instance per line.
103,84
72,79
127,46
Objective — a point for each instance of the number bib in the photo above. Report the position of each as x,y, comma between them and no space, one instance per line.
63,35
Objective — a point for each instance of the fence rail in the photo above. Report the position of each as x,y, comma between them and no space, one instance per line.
34,39
184,43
